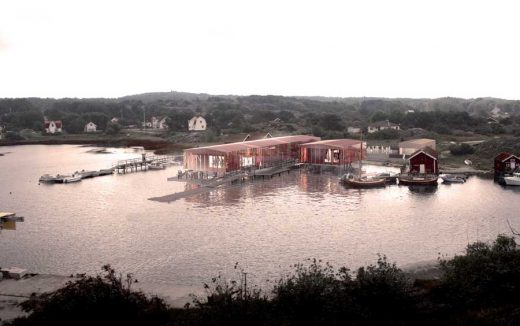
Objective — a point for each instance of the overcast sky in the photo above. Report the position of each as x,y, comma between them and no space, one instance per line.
105,48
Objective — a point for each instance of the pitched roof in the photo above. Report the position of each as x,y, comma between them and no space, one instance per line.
426,150
416,142
260,143
383,124
46,124
333,143
505,156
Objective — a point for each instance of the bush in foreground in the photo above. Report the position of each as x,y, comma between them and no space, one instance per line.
95,300
480,287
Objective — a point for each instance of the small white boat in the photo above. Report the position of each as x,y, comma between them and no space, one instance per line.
450,178
47,178
468,162
87,174
156,166
106,171
513,180
72,178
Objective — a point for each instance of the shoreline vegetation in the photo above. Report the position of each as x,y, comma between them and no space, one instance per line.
482,287
161,145
475,129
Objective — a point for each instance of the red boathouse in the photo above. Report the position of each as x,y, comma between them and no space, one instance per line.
424,161
506,163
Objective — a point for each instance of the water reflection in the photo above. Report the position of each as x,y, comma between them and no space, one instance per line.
423,190
265,225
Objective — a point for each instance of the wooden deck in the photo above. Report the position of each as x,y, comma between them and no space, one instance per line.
141,163
207,185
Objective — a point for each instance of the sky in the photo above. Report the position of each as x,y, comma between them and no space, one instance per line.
373,48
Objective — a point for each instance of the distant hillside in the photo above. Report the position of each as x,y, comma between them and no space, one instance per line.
166,96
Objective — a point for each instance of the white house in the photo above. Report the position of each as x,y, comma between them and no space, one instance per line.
90,127
353,130
197,123
382,125
159,123
411,146
52,127
114,120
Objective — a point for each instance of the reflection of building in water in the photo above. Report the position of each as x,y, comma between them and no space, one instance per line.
333,152
256,154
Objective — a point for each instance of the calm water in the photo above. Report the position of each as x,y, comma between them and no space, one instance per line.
265,226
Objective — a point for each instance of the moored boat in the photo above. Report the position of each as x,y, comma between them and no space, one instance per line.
47,178
156,166
72,178
390,178
87,174
513,180
105,171
418,180
362,182
450,178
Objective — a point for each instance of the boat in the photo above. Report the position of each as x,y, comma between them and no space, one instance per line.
72,178
87,174
451,178
362,182
390,178
156,166
418,180
47,178
105,171
468,162
513,180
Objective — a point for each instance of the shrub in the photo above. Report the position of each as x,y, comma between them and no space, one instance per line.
462,149
487,275
99,300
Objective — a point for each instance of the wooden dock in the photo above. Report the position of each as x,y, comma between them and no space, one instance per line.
141,163
208,185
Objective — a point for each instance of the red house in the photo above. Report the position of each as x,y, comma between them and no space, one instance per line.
506,163
424,161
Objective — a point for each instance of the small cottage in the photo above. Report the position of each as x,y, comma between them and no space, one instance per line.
382,125
506,163
424,161
411,146
159,123
197,123
52,127
90,127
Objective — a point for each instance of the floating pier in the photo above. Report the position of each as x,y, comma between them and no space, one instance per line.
141,164
8,220
207,185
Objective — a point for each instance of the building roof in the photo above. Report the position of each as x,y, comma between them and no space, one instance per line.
426,150
385,123
334,143
504,156
420,142
57,123
260,143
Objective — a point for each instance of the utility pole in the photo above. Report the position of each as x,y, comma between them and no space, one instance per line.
245,284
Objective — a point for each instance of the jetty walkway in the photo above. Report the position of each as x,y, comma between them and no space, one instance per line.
141,163
207,185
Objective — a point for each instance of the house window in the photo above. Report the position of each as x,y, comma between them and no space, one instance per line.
216,161
246,161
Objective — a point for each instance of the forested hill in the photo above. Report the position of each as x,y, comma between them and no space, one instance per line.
319,115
